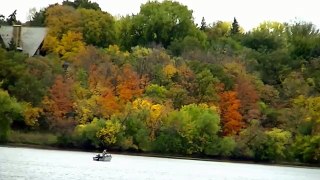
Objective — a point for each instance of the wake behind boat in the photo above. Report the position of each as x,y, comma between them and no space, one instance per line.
103,157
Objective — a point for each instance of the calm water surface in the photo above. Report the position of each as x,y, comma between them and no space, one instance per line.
34,164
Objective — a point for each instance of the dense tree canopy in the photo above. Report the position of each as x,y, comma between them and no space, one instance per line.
155,82
161,23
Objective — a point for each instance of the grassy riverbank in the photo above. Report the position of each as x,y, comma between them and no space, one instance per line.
38,139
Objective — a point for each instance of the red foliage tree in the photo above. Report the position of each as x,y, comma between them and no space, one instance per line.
249,98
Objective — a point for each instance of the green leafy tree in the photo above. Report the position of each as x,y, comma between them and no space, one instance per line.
124,30
137,131
134,119
44,69
251,143
61,19
268,36
273,66
10,109
28,89
179,96
188,45
156,92
307,148
98,27
220,147
303,38
205,86
37,18
295,84
264,146
85,135
161,23
86,4
277,144
194,128
313,73
12,68
218,30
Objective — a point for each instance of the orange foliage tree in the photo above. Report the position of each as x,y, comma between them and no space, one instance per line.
128,84
103,82
93,78
59,104
230,115
108,103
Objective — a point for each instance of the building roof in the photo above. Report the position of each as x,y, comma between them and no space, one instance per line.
31,37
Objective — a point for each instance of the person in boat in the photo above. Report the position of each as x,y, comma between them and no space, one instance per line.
104,152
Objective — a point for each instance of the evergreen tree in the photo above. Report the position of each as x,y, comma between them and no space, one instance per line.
37,18
235,29
12,19
2,20
203,26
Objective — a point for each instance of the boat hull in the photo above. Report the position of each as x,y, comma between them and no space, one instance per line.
103,158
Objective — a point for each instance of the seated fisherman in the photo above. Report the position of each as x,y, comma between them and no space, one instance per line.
104,152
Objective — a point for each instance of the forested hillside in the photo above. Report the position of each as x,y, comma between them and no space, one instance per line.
157,82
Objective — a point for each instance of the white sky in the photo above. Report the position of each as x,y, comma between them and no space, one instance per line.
249,13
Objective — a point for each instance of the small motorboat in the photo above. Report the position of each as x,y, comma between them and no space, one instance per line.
103,157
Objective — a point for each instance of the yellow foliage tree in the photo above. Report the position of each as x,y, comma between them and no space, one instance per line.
31,115
141,104
61,19
156,112
109,134
86,109
98,27
310,108
70,44
50,43
169,70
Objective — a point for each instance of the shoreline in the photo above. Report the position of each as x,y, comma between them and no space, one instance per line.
281,164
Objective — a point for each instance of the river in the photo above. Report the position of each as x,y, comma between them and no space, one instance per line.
18,163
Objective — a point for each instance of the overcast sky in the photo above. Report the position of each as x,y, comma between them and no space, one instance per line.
249,13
